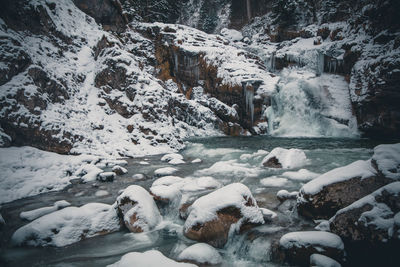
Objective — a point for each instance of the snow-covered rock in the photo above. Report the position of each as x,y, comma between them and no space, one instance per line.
137,209
297,247
301,175
88,172
169,188
119,170
139,177
165,171
285,158
67,226
101,193
274,181
326,194
318,260
150,258
34,214
211,216
268,214
231,34
200,253
372,220
106,176
197,160
173,159
386,158
283,195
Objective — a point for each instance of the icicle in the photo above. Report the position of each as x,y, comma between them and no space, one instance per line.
272,61
249,94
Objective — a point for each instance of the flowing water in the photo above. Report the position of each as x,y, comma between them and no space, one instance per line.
228,159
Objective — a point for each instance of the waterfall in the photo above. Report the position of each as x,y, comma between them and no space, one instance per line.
176,63
305,105
249,94
272,62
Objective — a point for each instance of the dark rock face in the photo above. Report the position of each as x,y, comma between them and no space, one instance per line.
215,232
106,12
272,163
297,247
336,196
370,225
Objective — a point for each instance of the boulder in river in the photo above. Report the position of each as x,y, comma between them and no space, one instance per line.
211,216
285,158
106,176
200,254
322,197
137,209
119,170
372,223
297,247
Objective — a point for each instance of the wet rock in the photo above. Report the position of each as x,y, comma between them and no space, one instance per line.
211,216
137,209
297,247
119,170
106,176
371,223
318,260
272,162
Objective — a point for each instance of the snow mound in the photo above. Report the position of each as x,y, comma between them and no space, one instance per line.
311,238
230,167
88,172
172,187
67,226
151,258
288,158
274,181
101,193
165,171
358,168
301,175
387,159
34,214
236,195
232,35
27,171
284,194
173,159
201,253
318,260
142,205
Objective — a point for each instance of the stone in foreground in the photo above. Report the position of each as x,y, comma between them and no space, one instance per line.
211,216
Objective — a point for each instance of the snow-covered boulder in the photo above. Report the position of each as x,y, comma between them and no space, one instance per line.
169,188
200,254
301,175
231,34
165,171
151,258
323,196
139,177
318,260
297,247
137,209
283,195
211,216
106,176
285,158
119,170
88,172
69,225
173,159
386,160
34,214
372,220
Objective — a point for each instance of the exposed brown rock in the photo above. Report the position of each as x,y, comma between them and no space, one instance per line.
272,163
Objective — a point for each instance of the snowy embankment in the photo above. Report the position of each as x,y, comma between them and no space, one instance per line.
27,171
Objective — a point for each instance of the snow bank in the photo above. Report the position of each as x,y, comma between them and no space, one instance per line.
358,168
233,195
387,158
318,260
34,214
288,158
151,258
27,171
301,175
201,253
67,226
311,238
142,207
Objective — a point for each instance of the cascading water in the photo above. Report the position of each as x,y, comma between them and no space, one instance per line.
306,105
